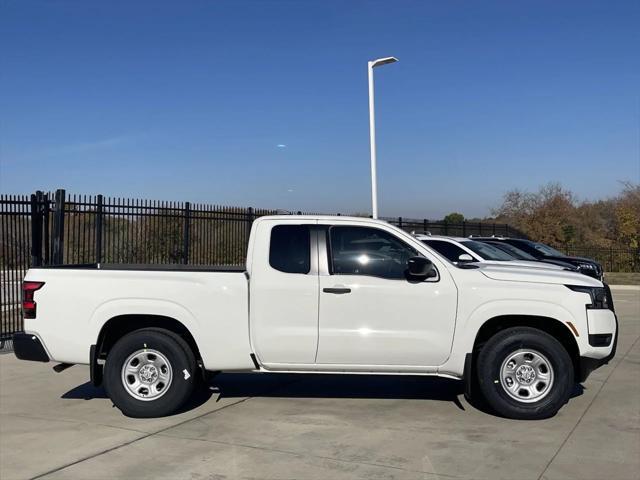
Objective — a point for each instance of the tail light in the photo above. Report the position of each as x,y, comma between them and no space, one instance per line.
28,303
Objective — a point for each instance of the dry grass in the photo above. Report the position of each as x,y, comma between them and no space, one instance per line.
622,278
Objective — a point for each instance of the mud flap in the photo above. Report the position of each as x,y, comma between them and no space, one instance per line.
95,369
468,376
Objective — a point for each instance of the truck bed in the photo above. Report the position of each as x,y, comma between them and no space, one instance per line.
76,301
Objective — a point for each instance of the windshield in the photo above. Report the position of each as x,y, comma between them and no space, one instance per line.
447,249
513,251
486,251
547,250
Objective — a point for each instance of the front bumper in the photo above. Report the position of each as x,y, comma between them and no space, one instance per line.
588,364
29,347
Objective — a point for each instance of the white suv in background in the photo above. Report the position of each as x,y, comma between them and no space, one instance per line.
463,250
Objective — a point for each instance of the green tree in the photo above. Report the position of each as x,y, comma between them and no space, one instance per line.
454,217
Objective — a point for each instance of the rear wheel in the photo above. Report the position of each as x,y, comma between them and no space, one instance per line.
149,373
525,373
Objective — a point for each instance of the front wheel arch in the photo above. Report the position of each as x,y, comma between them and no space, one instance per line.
552,326
492,326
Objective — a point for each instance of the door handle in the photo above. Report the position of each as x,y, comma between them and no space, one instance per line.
337,290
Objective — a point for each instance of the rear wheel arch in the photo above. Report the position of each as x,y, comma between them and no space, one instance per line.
117,327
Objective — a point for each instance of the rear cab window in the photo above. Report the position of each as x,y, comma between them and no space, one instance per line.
290,248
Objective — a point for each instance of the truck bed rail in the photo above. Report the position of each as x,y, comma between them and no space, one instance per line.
151,267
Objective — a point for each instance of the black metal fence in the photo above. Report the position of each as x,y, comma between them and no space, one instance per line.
96,229
15,241
56,229
81,229
612,259
462,229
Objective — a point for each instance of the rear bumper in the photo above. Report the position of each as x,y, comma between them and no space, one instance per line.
28,347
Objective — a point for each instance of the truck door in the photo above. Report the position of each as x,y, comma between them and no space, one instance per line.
284,293
370,314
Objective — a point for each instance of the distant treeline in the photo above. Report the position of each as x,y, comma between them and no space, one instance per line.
555,216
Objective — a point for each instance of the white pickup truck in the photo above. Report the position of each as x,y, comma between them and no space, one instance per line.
323,294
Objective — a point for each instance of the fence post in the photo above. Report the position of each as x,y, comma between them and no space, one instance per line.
57,255
611,258
446,227
494,229
250,218
36,229
400,222
185,245
425,226
46,210
464,228
99,229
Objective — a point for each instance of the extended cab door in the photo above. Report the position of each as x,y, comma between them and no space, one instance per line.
370,314
283,304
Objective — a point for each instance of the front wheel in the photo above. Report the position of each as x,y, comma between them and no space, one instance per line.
525,373
149,373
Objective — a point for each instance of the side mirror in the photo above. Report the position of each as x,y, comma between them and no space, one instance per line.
421,267
465,257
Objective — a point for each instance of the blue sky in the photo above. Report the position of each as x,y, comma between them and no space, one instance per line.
264,103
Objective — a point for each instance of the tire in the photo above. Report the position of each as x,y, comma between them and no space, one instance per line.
150,373
525,373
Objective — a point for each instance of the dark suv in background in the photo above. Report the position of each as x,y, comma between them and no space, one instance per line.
544,253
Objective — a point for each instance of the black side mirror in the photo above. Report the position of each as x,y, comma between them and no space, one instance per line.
420,267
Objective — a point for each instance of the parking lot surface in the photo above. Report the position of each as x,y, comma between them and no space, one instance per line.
57,426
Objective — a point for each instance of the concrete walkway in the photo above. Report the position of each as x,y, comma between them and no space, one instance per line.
56,426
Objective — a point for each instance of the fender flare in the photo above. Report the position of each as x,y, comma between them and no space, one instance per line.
121,307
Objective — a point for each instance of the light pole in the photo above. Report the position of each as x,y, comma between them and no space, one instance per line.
372,131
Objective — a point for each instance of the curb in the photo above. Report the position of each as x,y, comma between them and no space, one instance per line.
6,346
625,287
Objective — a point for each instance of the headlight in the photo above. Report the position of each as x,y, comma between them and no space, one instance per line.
600,298
589,266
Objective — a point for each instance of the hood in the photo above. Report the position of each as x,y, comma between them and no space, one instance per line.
523,263
585,266
569,259
551,261
536,275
